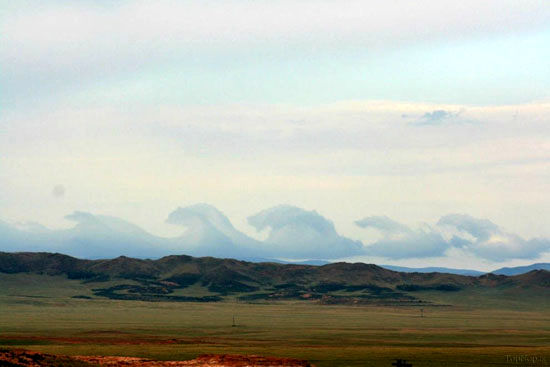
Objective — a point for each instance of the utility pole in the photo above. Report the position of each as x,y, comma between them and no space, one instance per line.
233,325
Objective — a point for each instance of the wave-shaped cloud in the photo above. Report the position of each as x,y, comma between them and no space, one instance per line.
485,239
480,237
93,236
210,233
400,241
298,233
294,233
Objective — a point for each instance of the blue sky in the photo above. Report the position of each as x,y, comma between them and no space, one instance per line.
498,70
495,53
402,109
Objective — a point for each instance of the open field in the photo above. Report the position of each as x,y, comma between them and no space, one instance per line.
41,316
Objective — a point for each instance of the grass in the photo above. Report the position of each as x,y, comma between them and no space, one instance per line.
41,315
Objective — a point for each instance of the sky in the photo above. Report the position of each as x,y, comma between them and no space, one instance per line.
427,114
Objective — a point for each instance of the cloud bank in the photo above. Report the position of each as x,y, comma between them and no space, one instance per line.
487,240
293,234
479,237
93,236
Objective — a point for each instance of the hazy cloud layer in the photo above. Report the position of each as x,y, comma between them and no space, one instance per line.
57,34
59,47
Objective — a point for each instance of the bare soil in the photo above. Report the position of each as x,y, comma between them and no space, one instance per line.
25,358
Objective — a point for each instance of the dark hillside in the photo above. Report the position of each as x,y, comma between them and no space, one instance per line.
171,278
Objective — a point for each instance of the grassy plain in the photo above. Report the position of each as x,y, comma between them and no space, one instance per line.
474,331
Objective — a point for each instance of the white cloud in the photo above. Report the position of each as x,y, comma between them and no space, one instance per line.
298,233
401,242
293,233
208,232
480,238
487,240
145,27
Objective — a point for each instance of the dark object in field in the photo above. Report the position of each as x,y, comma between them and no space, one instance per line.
401,363
148,292
81,297
434,287
25,358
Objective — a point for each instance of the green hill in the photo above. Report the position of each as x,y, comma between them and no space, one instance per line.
207,279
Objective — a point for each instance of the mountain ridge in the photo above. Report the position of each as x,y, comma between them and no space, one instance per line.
176,278
516,270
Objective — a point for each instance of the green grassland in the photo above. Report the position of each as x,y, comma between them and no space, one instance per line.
471,327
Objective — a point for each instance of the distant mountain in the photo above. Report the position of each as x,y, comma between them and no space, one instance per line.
433,270
278,261
522,269
309,262
502,271
214,279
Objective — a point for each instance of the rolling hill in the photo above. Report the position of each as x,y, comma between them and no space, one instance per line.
185,278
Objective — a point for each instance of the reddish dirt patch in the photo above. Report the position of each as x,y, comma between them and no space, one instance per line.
207,360
24,358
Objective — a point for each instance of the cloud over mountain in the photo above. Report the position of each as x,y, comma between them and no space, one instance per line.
400,241
293,233
210,233
298,233
479,237
485,239
93,236
100,236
